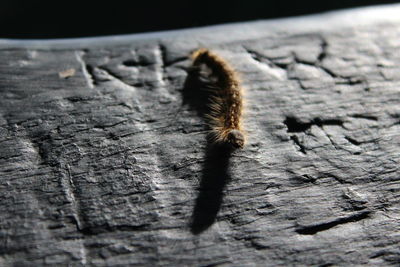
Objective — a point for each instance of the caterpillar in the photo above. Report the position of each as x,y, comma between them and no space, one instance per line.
226,98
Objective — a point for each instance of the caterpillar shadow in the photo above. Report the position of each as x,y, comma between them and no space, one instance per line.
215,172
215,176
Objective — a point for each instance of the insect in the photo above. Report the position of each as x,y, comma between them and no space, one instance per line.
226,98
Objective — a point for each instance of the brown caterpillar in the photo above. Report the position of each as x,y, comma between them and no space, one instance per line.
226,101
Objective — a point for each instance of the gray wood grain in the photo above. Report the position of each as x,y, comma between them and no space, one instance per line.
104,158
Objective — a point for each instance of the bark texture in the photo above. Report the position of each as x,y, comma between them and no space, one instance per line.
104,158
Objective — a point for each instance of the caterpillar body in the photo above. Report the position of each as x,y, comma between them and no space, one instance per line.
226,98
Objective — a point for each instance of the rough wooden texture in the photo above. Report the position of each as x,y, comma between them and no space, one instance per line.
104,158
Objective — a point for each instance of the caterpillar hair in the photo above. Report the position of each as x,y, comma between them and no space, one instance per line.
226,98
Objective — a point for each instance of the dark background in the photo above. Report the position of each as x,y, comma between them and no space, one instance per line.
64,19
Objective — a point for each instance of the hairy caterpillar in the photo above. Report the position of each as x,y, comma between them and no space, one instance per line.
226,98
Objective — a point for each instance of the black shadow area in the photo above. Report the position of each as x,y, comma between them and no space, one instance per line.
196,92
215,173
214,178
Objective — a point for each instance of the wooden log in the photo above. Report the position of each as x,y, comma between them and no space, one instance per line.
104,158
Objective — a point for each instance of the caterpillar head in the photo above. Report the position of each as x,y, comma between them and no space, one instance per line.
235,138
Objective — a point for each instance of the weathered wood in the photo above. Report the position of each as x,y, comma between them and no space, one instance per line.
104,158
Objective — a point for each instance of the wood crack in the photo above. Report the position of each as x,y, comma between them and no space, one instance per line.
294,125
313,229
85,69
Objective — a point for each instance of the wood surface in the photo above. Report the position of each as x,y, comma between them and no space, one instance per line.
104,158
